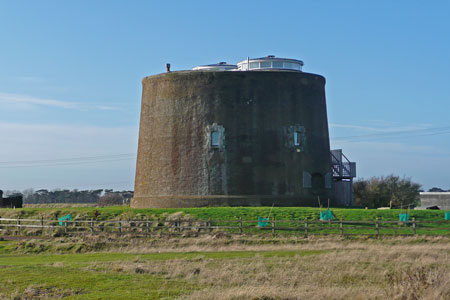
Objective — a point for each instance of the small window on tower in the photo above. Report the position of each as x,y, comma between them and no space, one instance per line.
215,138
296,138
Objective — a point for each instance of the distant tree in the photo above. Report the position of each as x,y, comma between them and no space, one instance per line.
111,199
27,195
382,191
64,196
72,196
436,189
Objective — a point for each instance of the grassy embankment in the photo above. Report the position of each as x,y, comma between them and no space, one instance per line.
249,213
222,213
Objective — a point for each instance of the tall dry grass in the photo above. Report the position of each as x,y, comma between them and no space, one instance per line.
398,269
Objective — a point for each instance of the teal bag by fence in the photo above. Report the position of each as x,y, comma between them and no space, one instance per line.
65,218
262,222
403,217
326,215
447,215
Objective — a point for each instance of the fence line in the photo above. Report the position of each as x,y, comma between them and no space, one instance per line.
306,227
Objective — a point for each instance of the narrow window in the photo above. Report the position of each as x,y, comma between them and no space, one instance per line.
265,64
306,180
291,66
296,138
254,65
277,64
215,138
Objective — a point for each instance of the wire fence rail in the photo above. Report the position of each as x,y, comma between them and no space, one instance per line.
306,227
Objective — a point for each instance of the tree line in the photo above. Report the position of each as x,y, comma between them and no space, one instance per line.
100,196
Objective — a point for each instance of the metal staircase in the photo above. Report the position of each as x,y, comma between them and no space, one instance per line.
343,173
341,165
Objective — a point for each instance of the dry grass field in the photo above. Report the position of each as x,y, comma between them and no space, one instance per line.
222,266
355,270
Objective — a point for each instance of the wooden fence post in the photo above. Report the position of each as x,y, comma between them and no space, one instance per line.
147,225
209,224
65,226
377,226
306,227
240,225
341,227
92,225
273,226
42,225
120,226
0,222
18,225
414,225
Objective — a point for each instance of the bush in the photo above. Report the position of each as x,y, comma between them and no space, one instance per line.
385,191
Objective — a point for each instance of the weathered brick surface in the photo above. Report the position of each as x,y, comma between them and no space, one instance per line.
257,164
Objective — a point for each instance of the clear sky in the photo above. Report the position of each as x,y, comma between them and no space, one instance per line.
70,79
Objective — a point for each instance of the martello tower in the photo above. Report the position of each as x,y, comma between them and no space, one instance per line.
255,133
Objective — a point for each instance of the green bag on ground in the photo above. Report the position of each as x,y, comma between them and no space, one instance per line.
65,218
263,222
403,217
447,215
326,215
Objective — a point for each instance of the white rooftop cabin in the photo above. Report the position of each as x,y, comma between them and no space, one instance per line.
270,62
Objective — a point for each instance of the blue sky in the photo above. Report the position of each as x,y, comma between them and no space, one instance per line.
71,71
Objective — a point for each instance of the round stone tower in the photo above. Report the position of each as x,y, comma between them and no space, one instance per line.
252,135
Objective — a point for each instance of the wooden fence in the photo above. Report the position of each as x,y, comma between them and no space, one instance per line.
304,227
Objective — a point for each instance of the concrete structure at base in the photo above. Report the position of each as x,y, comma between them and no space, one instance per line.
224,136
433,199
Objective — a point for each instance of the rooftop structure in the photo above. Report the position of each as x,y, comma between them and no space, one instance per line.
270,62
